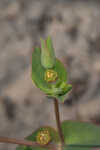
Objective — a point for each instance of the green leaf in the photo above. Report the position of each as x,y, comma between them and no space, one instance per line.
80,135
56,89
53,134
75,148
63,95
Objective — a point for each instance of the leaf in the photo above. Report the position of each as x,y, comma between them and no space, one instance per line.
38,72
83,135
75,148
53,134
66,90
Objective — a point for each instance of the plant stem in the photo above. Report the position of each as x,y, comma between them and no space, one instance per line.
56,108
25,142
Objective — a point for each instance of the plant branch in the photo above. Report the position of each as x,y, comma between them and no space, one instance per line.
25,142
57,115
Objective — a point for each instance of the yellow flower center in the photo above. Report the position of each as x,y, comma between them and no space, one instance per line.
50,75
43,137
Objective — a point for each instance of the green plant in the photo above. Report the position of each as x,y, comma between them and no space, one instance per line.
49,74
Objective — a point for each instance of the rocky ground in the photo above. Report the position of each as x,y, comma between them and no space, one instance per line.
75,29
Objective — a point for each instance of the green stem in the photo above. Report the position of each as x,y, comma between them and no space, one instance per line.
57,115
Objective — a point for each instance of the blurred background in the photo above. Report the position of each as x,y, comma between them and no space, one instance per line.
74,26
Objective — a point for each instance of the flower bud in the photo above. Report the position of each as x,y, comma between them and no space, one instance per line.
50,75
43,137
47,54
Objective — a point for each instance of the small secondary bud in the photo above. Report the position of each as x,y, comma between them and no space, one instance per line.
47,53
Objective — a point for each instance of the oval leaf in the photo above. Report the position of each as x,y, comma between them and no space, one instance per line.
83,135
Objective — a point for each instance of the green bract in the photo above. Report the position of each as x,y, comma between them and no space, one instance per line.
54,83
33,137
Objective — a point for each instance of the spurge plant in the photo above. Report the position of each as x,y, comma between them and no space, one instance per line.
50,75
